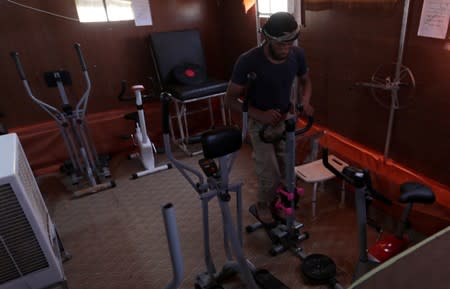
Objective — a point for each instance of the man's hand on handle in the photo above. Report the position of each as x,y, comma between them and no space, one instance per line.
308,109
272,116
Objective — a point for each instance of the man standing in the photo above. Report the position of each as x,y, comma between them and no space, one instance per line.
276,64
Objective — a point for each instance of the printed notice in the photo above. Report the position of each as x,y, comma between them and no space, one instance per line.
434,19
142,14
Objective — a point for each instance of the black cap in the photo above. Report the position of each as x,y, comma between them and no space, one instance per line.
281,26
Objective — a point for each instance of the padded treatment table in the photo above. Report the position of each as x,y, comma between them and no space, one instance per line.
170,51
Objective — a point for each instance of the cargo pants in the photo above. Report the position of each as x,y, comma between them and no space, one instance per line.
269,160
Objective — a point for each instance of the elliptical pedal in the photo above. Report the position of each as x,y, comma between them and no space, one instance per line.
266,280
297,226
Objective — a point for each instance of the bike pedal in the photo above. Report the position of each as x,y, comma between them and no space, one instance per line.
279,232
253,210
266,280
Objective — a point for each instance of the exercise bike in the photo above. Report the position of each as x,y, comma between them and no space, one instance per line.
390,244
285,232
147,149
212,182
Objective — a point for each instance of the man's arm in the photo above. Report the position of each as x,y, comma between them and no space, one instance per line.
304,96
234,91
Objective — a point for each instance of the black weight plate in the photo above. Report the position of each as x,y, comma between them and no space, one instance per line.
318,268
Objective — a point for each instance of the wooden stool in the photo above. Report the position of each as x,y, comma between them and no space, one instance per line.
315,172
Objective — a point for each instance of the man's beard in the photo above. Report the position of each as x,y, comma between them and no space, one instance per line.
274,55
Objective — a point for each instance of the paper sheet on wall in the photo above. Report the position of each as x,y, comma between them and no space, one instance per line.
142,14
434,18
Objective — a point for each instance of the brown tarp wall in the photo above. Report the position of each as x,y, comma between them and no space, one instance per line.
345,41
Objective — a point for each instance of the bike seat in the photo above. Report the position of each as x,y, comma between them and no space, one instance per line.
220,142
412,192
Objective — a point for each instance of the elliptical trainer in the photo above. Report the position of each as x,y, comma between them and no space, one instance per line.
85,164
147,149
389,245
221,144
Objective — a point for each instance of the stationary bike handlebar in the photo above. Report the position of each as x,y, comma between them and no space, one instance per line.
336,172
357,177
123,89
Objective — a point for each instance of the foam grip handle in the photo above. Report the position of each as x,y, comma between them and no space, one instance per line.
290,124
15,56
80,56
251,77
309,123
165,100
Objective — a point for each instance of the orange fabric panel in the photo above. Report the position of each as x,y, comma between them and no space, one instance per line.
45,147
248,4
387,175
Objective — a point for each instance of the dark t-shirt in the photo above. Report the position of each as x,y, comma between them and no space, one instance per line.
273,82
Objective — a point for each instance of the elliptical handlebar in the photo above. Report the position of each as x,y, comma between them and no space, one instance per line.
251,78
80,57
15,56
51,110
173,240
309,123
82,103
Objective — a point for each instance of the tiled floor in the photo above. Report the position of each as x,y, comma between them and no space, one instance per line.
117,238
